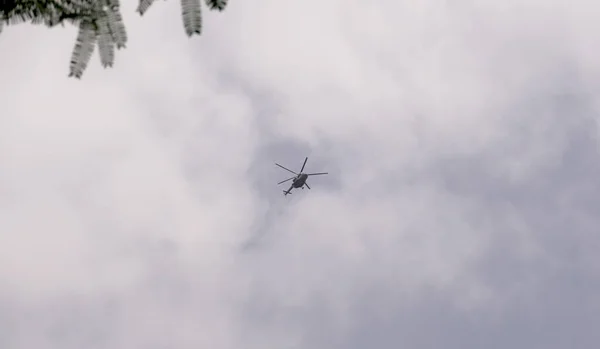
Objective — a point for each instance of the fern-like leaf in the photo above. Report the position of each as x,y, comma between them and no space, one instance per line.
84,47
116,27
113,4
143,6
8,6
37,18
192,16
106,45
216,4
18,18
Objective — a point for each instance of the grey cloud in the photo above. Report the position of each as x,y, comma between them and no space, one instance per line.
461,208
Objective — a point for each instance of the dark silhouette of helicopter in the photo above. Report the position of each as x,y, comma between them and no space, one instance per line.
298,181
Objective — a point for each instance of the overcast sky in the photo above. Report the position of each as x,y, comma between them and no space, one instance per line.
139,205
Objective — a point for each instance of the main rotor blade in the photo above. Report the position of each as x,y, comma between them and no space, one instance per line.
286,180
304,164
316,174
287,169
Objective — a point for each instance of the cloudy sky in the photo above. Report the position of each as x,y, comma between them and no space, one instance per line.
139,206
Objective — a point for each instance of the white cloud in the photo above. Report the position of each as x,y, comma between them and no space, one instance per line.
126,196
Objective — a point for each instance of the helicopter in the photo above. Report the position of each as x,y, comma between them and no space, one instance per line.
298,181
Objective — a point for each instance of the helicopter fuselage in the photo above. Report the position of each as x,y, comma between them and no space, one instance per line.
300,180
